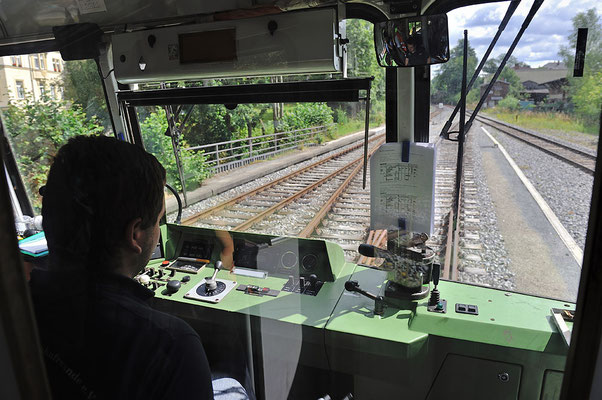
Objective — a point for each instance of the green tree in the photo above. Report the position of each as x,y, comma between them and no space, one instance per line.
37,129
493,63
155,141
82,86
585,92
448,82
588,98
305,115
593,58
361,55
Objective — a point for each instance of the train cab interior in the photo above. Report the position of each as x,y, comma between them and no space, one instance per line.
296,318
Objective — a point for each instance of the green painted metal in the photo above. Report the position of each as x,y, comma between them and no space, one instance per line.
404,350
336,255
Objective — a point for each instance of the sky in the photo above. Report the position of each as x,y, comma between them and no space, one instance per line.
540,42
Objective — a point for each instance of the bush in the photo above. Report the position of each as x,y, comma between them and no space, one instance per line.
36,130
305,115
340,116
155,142
509,103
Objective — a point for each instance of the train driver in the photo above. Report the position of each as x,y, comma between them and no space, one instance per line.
101,340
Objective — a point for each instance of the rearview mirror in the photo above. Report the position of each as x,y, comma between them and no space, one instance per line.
408,42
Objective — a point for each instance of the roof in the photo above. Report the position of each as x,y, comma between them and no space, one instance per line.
541,75
488,80
554,65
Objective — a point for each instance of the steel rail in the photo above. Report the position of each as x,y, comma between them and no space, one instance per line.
568,154
262,215
212,210
317,219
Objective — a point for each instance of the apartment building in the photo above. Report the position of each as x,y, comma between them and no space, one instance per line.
30,75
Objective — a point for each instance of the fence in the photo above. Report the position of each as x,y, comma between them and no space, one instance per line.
224,156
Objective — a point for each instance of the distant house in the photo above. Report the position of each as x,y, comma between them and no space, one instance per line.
546,83
499,90
33,75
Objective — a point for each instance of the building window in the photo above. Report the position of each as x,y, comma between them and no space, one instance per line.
53,91
20,89
38,61
16,61
56,65
41,87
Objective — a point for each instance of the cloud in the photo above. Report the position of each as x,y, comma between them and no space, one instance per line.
540,42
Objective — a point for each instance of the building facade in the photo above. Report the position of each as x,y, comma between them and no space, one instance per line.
31,75
499,90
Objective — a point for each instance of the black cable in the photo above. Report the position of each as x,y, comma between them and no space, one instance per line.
178,220
104,89
108,73
462,132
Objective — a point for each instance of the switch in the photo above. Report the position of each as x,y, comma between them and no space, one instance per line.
185,278
467,309
313,280
173,286
172,273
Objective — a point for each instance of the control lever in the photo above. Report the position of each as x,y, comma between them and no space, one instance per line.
435,303
379,302
371,251
210,282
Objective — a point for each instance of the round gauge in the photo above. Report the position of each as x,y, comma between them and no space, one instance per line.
309,262
288,260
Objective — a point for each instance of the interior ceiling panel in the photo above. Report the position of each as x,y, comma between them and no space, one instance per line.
26,19
30,20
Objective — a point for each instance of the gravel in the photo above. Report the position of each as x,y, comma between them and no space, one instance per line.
493,268
566,189
210,202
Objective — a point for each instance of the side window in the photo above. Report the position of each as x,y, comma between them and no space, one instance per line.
38,119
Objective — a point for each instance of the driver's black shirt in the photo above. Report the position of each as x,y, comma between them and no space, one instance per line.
101,340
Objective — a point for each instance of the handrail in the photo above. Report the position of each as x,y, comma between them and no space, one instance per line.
235,153
318,128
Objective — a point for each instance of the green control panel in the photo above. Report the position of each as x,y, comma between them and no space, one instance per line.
496,343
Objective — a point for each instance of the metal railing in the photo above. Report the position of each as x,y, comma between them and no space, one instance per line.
223,156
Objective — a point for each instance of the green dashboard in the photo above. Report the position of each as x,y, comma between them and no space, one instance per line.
297,345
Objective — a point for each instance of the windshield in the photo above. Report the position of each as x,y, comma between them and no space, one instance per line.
304,237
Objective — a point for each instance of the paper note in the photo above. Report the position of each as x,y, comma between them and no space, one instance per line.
402,192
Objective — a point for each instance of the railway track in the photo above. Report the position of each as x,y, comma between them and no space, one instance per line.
326,200
320,200
580,159
456,237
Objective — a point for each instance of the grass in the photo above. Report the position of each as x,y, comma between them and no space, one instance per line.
355,125
542,120
351,126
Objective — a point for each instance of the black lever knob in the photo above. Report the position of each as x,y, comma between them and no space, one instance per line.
313,281
173,286
351,286
366,250
436,272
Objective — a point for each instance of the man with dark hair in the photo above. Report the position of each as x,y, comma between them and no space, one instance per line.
101,206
